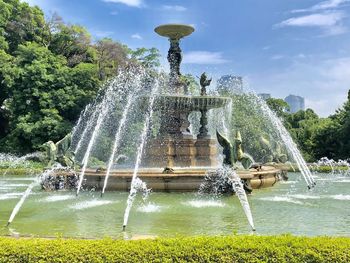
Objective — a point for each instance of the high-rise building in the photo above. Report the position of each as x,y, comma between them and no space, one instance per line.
230,84
296,103
264,96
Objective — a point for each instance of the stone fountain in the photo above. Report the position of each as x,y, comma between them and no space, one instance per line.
175,146
176,160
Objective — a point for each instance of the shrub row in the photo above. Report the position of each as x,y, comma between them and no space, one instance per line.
284,248
321,169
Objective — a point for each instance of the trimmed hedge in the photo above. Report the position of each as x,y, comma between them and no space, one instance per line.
320,169
284,248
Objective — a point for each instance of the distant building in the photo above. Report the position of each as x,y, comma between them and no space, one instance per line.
230,84
264,96
296,103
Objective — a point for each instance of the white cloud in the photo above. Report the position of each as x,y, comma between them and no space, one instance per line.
314,20
101,34
329,4
204,57
136,36
329,22
177,8
133,3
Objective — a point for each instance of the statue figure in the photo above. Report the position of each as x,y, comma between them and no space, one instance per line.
51,152
235,157
59,152
204,82
175,58
272,152
235,154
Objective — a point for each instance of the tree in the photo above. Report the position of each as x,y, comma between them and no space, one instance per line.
46,96
149,58
73,42
110,56
342,120
22,23
279,106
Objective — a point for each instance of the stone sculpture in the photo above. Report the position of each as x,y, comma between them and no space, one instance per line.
233,155
273,152
204,82
59,152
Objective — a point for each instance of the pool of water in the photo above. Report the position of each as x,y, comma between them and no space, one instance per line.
287,207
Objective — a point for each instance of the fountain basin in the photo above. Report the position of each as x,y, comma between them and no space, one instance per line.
174,31
180,180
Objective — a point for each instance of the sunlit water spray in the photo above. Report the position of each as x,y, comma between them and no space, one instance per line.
91,121
226,180
36,182
136,181
27,192
118,136
287,140
102,115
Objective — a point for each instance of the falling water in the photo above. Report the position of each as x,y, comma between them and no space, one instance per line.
130,100
102,115
220,119
134,181
242,196
226,180
288,141
88,127
81,117
23,198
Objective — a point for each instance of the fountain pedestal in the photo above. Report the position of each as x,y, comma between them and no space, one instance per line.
181,152
175,146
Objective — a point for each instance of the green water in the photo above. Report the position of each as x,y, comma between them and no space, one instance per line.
286,208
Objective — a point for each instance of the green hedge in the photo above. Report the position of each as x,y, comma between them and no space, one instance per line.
320,169
188,249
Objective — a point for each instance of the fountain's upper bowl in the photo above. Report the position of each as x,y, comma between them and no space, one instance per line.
191,103
174,31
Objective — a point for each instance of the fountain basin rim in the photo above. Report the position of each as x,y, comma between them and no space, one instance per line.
174,31
178,172
190,103
182,180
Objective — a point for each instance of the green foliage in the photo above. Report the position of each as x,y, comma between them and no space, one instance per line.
320,137
189,249
279,106
149,58
46,96
110,55
22,23
49,71
73,42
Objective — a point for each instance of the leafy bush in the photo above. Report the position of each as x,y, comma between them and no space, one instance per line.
284,248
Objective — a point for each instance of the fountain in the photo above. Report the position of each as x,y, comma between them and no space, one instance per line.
174,159
168,157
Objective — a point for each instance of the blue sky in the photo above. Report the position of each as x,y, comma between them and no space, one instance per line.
281,47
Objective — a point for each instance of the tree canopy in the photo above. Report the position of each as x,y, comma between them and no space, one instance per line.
49,71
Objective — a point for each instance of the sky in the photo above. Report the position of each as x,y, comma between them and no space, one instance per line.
282,47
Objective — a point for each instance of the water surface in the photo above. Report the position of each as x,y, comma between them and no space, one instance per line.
286,208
